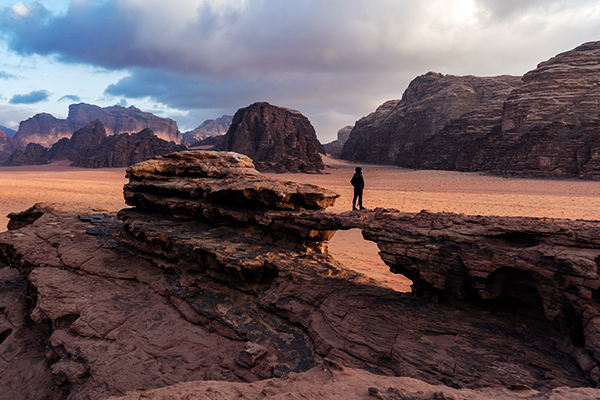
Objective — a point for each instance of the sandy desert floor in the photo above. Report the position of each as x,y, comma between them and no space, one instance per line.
386,186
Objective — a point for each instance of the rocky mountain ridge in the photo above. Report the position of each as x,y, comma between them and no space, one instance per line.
46,130
543,126
335,148
220,273
91,147
209,128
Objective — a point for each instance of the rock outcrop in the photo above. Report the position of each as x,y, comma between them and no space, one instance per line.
90,147
277,139
7,131
209,128
335,148
429,104
222,274
46,130
545,127
7,146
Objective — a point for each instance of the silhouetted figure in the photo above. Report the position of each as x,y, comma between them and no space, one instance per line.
359,184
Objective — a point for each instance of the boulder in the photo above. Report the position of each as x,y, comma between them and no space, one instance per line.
277,139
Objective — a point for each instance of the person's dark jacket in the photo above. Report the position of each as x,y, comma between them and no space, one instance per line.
358,181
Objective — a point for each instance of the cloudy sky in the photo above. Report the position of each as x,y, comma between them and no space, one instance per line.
334,60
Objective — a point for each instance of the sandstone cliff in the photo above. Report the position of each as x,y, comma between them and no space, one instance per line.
220,273
335,148
47,130
277,139
209,128
7,146
545,127
430,102
90,147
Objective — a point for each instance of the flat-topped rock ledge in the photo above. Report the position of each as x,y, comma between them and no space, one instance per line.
222,274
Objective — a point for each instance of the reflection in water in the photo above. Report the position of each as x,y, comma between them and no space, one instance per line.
354,252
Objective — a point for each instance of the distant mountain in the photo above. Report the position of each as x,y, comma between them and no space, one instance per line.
91,147
209,128
7,146
335,148
46,130
9,132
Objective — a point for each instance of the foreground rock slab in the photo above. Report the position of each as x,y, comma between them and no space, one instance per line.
195,285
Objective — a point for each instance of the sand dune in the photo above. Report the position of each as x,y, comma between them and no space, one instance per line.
386,186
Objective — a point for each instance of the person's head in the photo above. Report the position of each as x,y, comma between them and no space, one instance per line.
358,169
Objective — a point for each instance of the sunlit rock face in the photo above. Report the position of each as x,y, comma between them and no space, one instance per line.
277,139
46,130
219,273
209,128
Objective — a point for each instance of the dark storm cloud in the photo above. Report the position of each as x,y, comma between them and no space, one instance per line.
92,32
36,96
70,97
342,56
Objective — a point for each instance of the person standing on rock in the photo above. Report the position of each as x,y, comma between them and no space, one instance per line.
359,184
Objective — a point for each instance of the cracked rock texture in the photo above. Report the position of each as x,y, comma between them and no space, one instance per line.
98,304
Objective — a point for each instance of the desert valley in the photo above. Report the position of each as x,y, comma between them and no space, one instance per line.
133,268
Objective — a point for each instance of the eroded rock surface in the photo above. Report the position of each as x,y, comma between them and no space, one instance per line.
431,102
90,147
46,130
192,284
277,139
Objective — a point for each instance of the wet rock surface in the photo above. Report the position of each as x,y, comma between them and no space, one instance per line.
102,304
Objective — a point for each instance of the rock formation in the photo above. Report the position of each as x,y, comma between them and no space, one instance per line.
335,148
277,139
124,150
209,128
545,127
90,147
7,146
430,102
220,273
7,131
47,130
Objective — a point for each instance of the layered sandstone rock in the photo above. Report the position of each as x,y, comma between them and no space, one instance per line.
222,274
277,139
545,127
90,147
429,104
530,265
46,130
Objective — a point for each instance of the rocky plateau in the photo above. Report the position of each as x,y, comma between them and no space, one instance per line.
90,147
218,283
209,128
45,129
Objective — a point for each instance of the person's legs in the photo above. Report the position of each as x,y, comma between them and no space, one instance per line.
360,196
357,195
